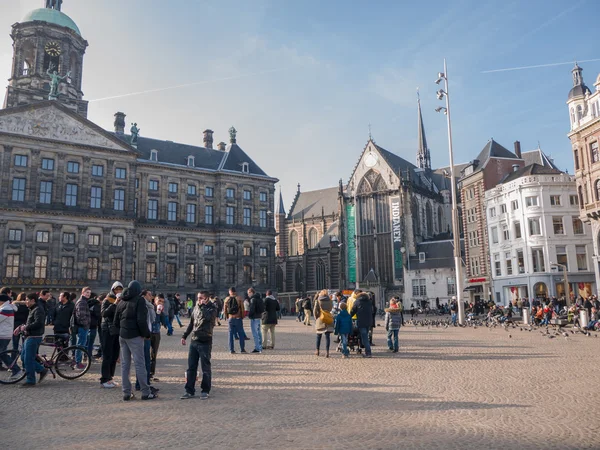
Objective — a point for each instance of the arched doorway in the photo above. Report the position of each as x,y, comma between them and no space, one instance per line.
540,290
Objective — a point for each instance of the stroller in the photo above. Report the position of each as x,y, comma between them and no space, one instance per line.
354,344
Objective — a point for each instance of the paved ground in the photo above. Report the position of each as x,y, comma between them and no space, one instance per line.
447,389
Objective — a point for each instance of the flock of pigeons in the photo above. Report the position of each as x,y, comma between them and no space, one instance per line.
545,331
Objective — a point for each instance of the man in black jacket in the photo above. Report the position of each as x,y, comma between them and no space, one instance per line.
269,319
62,320
257,307
131,321
34,330
363,309
201,327
95,318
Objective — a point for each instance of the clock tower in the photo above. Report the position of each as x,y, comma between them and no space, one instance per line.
44,42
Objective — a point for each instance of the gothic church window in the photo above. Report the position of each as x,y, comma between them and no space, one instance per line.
293,243
320,275
312,238
429,218
440,219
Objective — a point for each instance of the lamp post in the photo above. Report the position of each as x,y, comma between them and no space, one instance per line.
566,281
441,93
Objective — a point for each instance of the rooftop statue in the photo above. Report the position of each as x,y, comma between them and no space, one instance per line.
54,4
135,131
55,80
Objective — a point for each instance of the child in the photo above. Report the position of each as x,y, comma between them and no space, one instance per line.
393,321
343,327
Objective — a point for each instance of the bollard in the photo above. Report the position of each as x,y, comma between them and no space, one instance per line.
526,316
584,319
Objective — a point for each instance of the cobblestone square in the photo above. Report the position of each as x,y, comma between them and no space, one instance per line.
447,388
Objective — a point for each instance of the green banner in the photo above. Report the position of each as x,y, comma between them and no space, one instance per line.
397,236
351,238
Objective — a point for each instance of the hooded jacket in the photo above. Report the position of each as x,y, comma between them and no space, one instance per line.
323,303
269,316
116,284
95,313
393,318
81,315
131,316
363,309
21,313
107,311
7,319
62,321
257,306
343,323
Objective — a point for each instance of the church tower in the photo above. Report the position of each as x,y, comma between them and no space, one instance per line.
44,42
423,156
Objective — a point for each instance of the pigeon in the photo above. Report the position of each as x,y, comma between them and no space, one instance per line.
551,337
509,336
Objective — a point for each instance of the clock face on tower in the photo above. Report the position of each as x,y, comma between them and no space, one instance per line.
53,48
371,159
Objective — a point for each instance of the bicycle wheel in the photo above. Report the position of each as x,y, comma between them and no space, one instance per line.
10,361
66,363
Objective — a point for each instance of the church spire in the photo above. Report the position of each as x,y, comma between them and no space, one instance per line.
423,157
280,208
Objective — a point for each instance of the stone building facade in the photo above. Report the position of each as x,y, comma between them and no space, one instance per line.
584,112
534,233
84,206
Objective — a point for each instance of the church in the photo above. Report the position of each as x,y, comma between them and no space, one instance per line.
84,206
387,230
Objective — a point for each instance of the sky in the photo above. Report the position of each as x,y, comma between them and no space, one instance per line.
302,81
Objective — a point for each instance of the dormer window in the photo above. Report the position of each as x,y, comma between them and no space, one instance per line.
579,112
190,161
245,167
153,155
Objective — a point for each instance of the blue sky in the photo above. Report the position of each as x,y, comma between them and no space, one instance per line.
301,81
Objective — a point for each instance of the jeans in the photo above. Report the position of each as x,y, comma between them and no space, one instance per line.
50,316
301,315
236,328
364,340
110,354
199,351
392,338
327,340
7,360
256,333
15,341
133,347
91,339
266,330
454,318
147,345
167,323
344,339
82,336
154,344
30,349
178,321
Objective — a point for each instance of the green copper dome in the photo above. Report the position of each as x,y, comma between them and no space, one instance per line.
51,16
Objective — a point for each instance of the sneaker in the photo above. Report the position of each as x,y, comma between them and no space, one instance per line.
27,385
232,352
43,374
127,397
246,338
155,379
154,390
186,396
256,351
16,376
108,385
80,366
204,396
243,351
149,396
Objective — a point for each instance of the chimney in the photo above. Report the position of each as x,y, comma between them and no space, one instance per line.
515,166
518,149
221,146
208,138
120,123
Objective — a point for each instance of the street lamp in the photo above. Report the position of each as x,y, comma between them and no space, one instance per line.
566,281
441,93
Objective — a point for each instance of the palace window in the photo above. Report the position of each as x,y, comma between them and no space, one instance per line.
209,250
97,171
66,268
263,196
209,191
119,201
42,237
247,195
47,164
208,274
15,235
229,193
208,214
190,216
96,197
94,240
20,160
46,192
72,167
263,218
150,272
230,273
116,269
151,247
247,216
153,185
190,273
117,241
173,188
41,267
230,215
18,190
191,189
171,273
171,247
172,211
120,174
68,238
247,274
152,209
71,195
12,266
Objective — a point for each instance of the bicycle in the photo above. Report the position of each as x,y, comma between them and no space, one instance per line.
62,362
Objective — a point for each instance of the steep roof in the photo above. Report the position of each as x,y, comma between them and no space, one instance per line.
280,208
313,203
537,156
333,230
494,150
532,169
204,158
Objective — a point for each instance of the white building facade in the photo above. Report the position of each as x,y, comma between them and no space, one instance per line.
534,230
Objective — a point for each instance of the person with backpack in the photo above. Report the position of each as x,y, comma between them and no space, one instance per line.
363,310
324,320
257,307
307,307
233,312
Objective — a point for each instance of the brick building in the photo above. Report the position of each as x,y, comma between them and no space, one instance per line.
81,205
